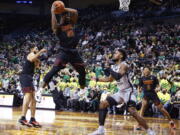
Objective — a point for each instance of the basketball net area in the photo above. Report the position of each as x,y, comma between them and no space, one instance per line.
124,5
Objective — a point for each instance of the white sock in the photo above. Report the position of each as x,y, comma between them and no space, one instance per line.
149,129
101,128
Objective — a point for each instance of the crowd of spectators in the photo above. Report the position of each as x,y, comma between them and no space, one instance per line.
154,45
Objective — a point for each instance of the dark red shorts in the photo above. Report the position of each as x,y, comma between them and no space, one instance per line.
65,57
26,82
152,96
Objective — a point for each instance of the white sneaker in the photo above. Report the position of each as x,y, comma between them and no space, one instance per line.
151,132
38,95
98,132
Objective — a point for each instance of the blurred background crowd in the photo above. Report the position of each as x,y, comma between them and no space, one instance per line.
147,40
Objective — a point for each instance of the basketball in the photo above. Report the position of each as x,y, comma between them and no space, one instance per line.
59,7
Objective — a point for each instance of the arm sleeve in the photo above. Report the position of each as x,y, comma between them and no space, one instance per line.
114,74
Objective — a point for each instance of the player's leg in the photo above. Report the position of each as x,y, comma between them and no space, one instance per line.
160,107
141,121
33,106
33,111
80,68
143,107
130,100
58,65
102,116
78,64
103,111
27,88
26,102
165,113
110,101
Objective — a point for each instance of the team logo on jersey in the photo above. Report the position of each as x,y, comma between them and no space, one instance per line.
148,82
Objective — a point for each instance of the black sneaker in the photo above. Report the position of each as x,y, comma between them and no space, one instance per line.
24,122
34,123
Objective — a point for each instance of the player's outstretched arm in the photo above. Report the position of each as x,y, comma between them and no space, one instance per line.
53,20
105,79
117,75
74,14
33,57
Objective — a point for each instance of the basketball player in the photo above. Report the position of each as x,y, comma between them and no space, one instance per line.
69,39
148,83
119,72
26,80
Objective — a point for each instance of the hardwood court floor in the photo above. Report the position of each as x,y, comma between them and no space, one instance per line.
76,123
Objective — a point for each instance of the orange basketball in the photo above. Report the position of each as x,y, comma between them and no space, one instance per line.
59,7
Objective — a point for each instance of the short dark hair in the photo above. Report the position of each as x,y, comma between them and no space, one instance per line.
124,54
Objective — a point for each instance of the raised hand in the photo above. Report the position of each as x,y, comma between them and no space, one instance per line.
43,50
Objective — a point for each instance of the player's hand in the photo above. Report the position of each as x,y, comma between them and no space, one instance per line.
70,10
43,50
53,8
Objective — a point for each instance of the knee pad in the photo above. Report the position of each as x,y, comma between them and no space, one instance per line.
111,101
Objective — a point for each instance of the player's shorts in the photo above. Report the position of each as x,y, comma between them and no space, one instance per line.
65,57
152,96
26,82
127,96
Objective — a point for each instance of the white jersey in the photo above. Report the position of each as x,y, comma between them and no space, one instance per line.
124,83
125,93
